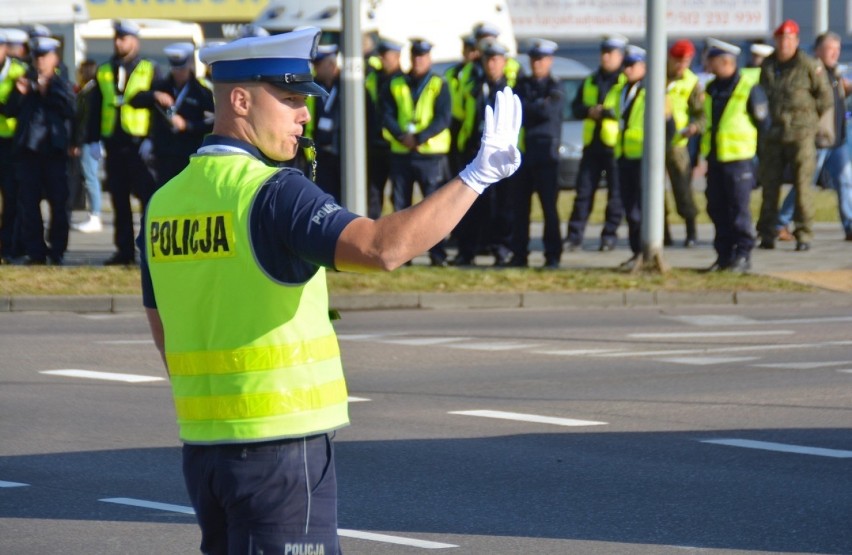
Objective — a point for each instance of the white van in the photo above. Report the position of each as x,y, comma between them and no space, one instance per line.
94,39
442,22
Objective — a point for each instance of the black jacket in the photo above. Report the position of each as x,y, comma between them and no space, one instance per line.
542,101
45,122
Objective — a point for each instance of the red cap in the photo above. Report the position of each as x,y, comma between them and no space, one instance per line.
682,49
789,26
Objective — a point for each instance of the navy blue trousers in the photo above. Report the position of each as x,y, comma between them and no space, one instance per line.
126,174
536,177
595,163
729,187
271,498
43,175
630,188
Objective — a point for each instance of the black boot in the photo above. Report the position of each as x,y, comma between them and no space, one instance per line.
691,235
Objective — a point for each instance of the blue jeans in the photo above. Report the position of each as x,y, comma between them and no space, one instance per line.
89,167
838,167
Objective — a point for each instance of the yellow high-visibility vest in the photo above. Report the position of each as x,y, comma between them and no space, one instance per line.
678,94
134,121
736,137
250,359
417,117
609,127
17,70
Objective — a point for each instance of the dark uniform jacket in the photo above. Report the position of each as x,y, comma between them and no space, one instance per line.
196,107
605,82
327,120
798,94
45,123
375,139
542,101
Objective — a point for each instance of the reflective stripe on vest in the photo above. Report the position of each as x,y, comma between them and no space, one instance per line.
134,121
678,94
16,70
631,142
250,359
609,127
736,137
419,115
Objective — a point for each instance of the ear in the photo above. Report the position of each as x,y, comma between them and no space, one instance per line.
240,101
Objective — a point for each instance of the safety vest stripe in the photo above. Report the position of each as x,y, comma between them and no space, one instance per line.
294,425
252,359
261,405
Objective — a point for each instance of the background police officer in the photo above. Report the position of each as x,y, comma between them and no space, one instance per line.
686,98
416,120
799,95
378,149
600,130
123,130
736,109
43,103
182,112
326,120
542,100
11,69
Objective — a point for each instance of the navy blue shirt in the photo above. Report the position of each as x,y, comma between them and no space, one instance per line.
294,226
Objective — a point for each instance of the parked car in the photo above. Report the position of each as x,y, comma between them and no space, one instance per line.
570,73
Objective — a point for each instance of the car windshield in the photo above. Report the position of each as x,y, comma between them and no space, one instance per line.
569,91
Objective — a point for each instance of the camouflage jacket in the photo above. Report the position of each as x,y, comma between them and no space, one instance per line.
798,94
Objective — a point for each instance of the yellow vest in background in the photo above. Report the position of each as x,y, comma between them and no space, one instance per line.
134,121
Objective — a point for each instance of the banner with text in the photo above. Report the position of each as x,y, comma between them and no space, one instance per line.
197,11
589,19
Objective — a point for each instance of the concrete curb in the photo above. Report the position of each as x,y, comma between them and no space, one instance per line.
454,301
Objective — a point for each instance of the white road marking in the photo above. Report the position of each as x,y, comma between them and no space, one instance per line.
823,320
392,539
423,341
741,348
119,316
704,361
127,342
528,418
803,365
575,352
358,399
700,334
364,336
150,505
11,484
110,376
495,346
781,447
342,531
846,371
714,320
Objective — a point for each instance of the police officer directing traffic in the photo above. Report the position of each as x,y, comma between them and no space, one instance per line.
736,110
236,248
123,129
542,101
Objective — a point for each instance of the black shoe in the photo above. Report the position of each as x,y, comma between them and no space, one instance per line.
631,262
501,260
667,237
438,262
118,259
518,262
607,245
740,265
849,235
689,243
55,260
717,266
574,245
463,261
766,244
801,246
35,261
551,264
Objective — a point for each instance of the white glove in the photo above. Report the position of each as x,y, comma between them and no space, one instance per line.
498,157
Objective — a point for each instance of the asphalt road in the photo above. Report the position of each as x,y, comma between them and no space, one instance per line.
635,431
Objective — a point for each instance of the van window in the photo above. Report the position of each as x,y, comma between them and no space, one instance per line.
569,91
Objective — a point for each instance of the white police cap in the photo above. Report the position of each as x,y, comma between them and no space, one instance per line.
16,36
760,49
124,27
39,30
634,54
43,45
281,60
542,47
490,47
614,42
323,51
179,53
486,29
251,30
716,47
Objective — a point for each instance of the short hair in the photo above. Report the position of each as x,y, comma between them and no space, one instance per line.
828,35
